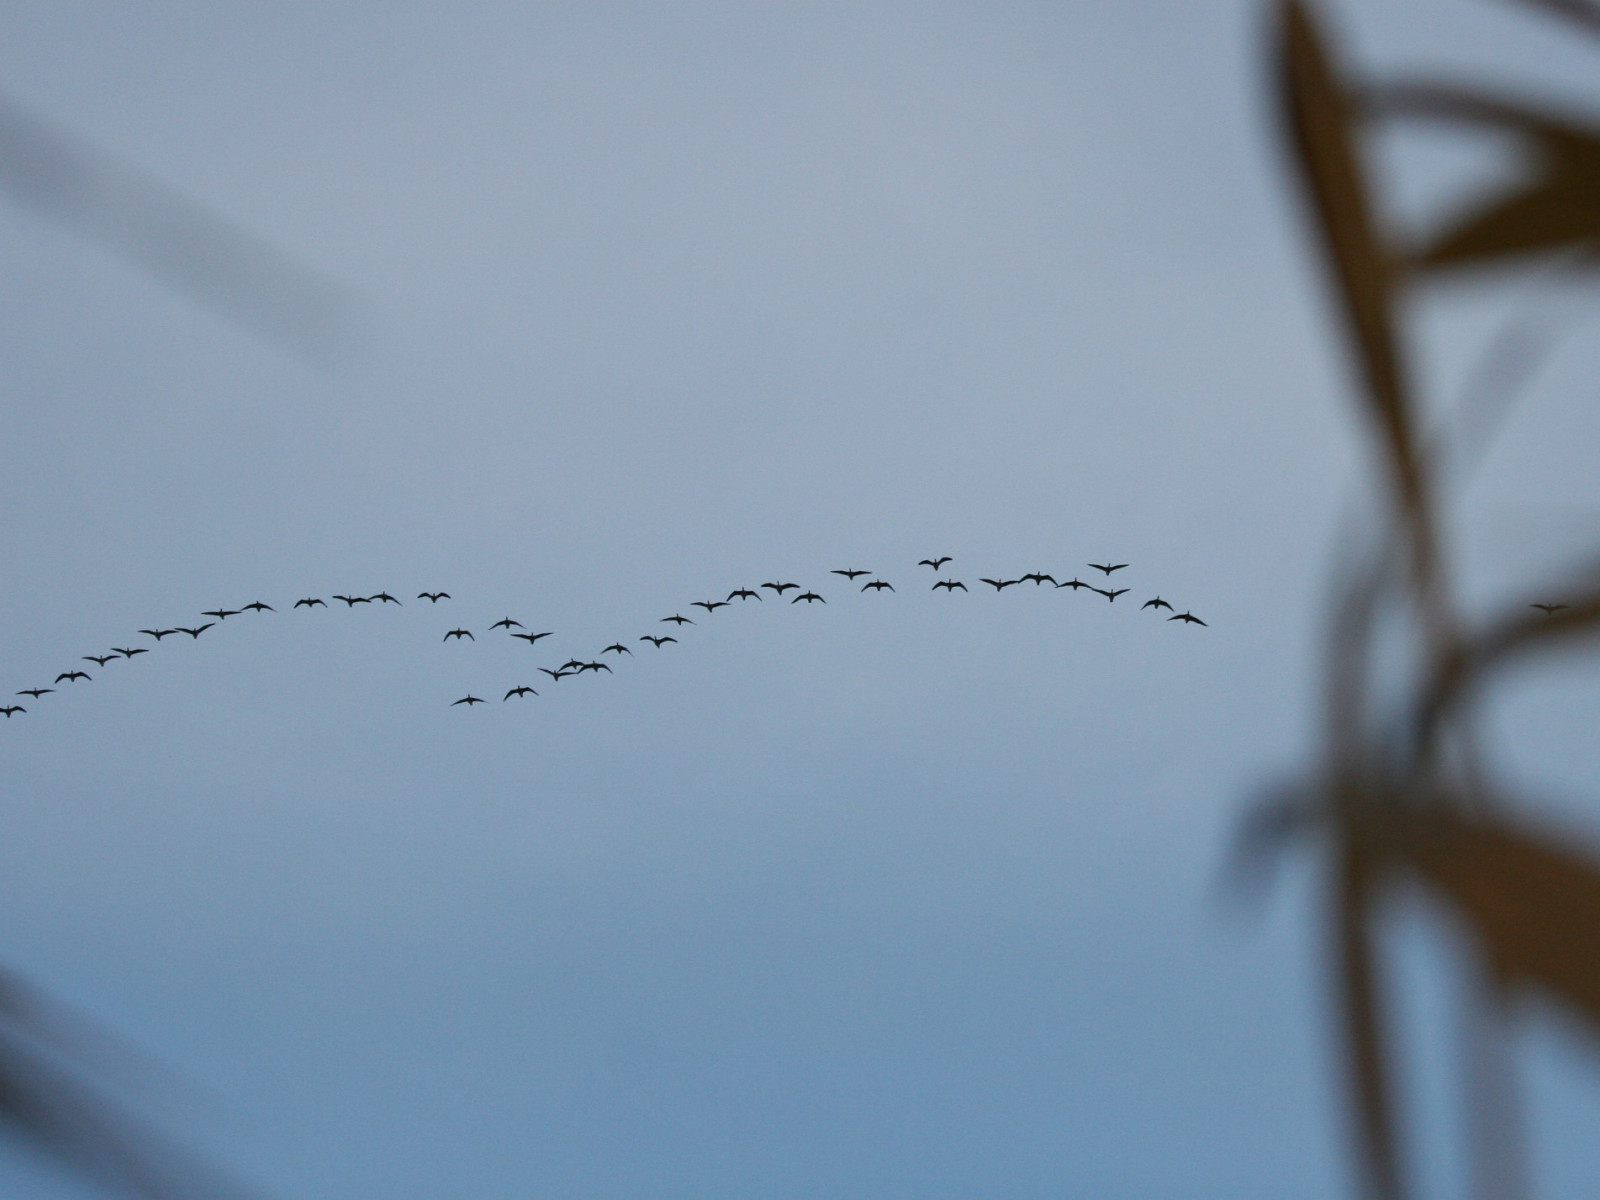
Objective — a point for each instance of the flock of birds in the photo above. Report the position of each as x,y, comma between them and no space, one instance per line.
576,666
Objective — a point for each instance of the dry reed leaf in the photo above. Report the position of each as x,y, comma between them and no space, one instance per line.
1321,121
1557,208
1583,13
1364,1047
1534,903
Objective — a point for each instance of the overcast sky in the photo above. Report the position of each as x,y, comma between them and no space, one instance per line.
905,895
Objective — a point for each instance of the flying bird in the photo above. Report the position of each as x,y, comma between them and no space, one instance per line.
744,594
221,614
352,601
469,700
851,574
1038,577
385,598
878,585
1073,583
572,664
808,597
259,607
1158,602
999,585
100,659
1188,618
1110,596
709,605
935,563
595,666
74,676
12,708
507,623
780,588
310,602
433,597
531,638
658,642
520,690
196,631
619,648
1549,610
1105,568
128,652
949,585
35,692
559,673
158,634
676,620
458,634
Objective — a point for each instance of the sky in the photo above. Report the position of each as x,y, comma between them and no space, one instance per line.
910,894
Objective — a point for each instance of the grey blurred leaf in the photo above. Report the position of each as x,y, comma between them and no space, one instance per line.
213,263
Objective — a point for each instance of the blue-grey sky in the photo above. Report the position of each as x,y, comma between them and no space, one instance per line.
909,895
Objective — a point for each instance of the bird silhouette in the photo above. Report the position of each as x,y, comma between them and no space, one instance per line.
808,597
507,623
780,588
619,648
531,638
196,631
352,601
35,692
129,652
433,597
1188,618
520,690
1158,602
311,602
458,634
1073,583
572,664
950,585
999,585
658,642
1549,610
851,573
1105,568
221,614
74,676
559,673
100,659
1111,596
935,563
744,594
595,666
676,620
257,606
878,585
158,634
469,700
385,598
709,605
12,708
1037,578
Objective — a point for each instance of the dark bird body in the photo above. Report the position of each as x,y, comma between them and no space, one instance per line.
935,563
851,574
780,588
74,676
221,614
808,597
12,708
469,700
1106,568
531,638
311,602
1073,583
1037,578
1158,602
384,598
433,597
1111,595
158,634
352,601
877,585
520,690
129,652
744,594
1549,610
658,642
458,634
36,692
710,605
559,673
507,623
257,606
595,666
100,660
197,630
676,620
619,648
950,585
999,585
1187,618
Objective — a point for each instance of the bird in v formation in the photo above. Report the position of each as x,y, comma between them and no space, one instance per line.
575,666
